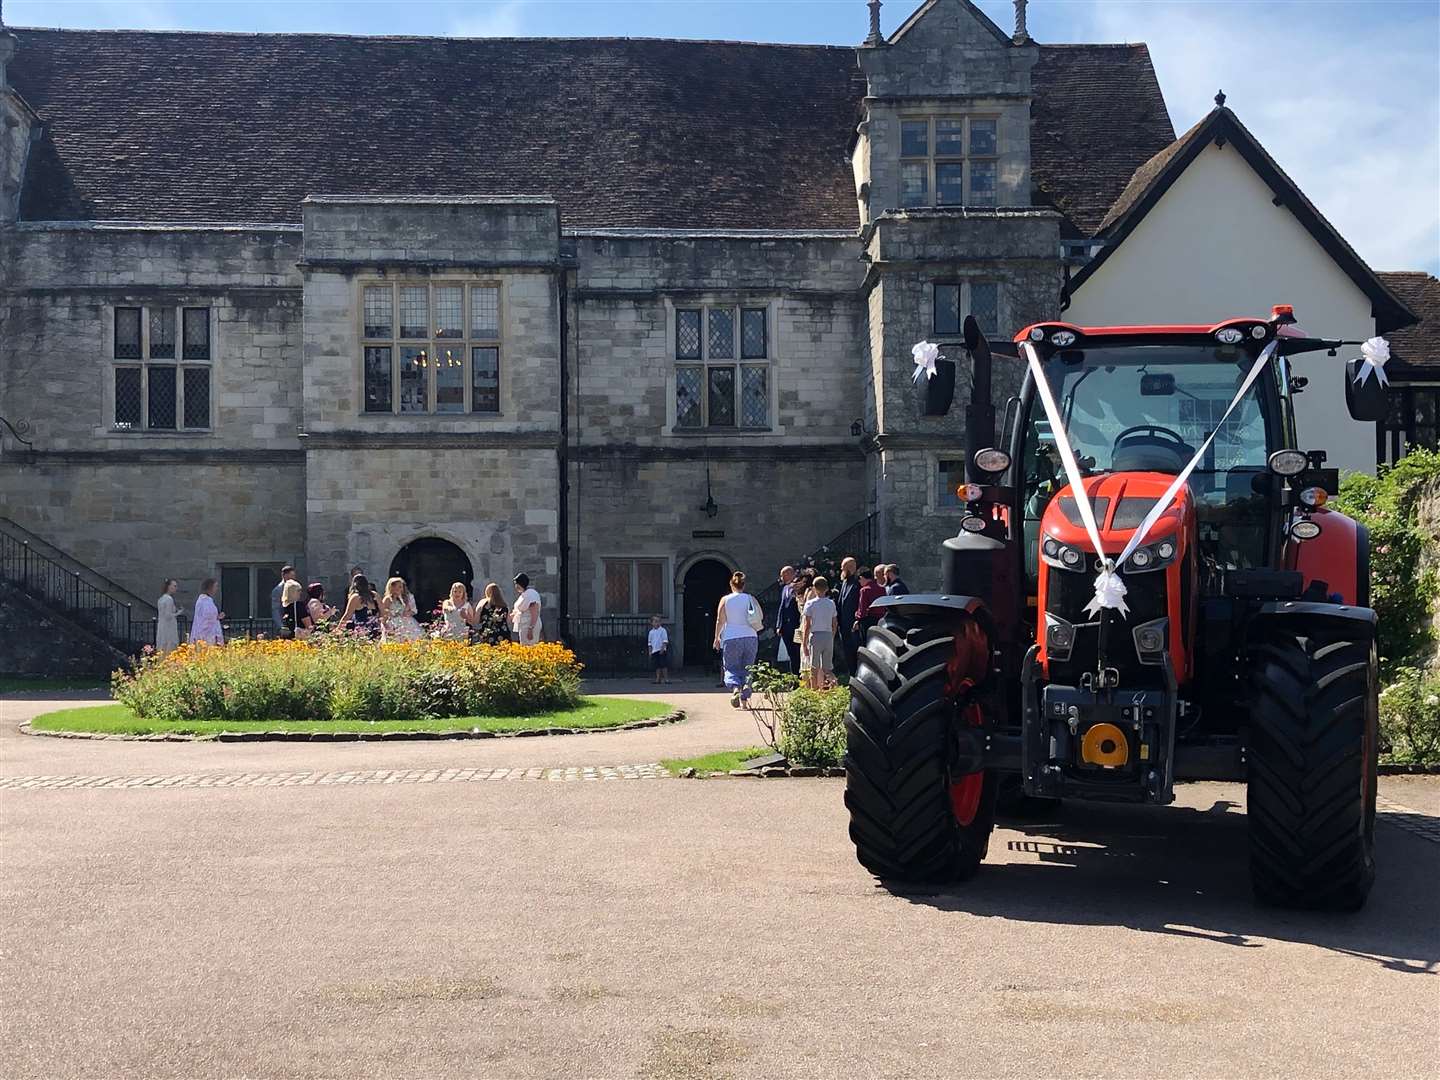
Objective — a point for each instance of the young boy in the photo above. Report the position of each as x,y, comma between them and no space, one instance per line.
659,642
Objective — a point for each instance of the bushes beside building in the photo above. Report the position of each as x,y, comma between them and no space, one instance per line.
350,681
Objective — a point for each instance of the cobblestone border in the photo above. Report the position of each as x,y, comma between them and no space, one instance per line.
769,772
354,736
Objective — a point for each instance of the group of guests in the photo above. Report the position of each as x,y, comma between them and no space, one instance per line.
818,621
298,610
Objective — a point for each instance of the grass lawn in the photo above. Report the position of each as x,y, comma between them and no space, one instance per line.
119,720
722,762
69,682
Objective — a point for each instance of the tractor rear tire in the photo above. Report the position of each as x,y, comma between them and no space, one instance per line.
897,760
1312,762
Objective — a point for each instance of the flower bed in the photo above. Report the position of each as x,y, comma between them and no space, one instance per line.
350,680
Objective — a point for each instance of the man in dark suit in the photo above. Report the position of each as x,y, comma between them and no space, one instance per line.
848,601
787,619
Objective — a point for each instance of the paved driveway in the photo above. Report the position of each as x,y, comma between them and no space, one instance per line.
665,928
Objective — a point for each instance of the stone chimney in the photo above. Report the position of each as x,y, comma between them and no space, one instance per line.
1022,35
874,38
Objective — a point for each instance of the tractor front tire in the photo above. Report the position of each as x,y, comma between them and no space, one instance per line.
1314,716
897,761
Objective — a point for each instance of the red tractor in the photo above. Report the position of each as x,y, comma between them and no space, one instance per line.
1097,640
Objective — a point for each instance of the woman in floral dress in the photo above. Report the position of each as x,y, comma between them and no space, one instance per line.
397,613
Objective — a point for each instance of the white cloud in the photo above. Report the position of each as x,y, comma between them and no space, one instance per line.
1347,104
504,18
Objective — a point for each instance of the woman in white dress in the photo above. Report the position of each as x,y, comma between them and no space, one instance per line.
167,625
397,613
456,614
206,626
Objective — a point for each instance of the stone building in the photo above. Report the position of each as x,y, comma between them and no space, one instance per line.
619,313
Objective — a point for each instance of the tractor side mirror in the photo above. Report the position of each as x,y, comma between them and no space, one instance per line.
940,389
1366,401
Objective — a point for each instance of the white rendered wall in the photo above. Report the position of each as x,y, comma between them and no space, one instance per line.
1214,247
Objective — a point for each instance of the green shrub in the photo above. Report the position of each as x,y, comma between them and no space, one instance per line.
1410,717
1402,592
812,726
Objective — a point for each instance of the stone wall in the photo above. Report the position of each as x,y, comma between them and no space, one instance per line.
498,505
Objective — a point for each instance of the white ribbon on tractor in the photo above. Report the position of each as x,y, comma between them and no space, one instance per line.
925,354
1109,586
1376,354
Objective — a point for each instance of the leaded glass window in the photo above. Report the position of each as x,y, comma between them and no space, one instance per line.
953,301
378,379
617,587
754,396
158,397
414,371
162,333
634,586
711,390
752,334
687,397
379,311
197,397
449,311
450,362
720,341
720,393
485,311
160,409
127,333
485,366
687,334
197,333
128,415
414,311
949,161
650,587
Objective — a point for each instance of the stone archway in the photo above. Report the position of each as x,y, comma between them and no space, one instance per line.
704,583
430,566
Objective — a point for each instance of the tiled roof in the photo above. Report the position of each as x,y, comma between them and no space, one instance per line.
1098,115
625,133
1415,350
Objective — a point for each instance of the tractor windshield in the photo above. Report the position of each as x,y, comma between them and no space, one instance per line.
1149,409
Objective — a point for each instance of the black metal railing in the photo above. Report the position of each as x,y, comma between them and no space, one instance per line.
234,630
613,644
139,607
67,592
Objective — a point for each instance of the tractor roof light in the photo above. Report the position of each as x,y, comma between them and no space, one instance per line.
1314,497
1230,335
1289,462
1062,339
1305,529
992,460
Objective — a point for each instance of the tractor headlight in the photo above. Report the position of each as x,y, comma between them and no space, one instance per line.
1054,553
1230,335
992,461
1037,334
1062,339
1150,641
1289,462
1059,637
1257,331
972,524
1150,557
1304,529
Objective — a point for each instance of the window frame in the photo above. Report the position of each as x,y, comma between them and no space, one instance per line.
431,344
943,500
176,361
251,567
965,305
933,160
667,588
737,361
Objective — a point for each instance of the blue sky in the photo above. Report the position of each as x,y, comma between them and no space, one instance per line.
1345,95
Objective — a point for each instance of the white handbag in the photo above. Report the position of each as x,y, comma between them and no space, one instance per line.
754,618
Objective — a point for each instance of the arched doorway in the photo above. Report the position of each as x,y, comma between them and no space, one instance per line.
430,566
705,583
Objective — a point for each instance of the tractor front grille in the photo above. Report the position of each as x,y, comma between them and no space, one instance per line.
1067,593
